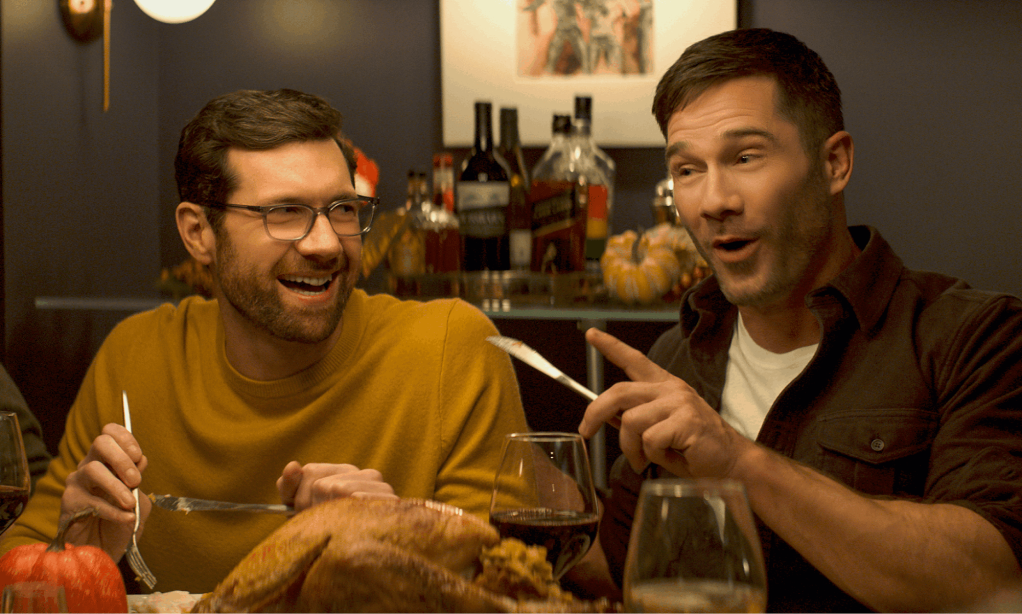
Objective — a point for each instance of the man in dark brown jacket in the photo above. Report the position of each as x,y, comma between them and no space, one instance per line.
872,413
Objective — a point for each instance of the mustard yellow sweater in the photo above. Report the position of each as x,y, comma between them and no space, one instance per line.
411,389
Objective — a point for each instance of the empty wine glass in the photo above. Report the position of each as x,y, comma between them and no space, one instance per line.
14,477
33,597
694,548
543,494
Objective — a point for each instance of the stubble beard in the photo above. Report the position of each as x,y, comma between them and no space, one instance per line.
799,238
261,304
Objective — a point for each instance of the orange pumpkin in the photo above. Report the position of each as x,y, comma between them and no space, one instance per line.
91,580
640,269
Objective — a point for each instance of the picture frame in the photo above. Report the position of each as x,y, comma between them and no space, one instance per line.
493,50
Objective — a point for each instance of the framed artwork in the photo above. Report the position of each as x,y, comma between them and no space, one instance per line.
536,55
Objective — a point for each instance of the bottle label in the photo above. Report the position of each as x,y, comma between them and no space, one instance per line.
482,208
521,248
408,254
559,226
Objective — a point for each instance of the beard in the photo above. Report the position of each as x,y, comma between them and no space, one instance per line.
798,240
258,299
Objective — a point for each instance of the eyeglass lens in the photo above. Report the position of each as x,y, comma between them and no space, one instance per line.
292,222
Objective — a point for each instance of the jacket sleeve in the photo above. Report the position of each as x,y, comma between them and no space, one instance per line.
976,459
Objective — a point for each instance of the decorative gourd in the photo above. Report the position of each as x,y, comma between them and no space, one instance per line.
640,270
677,238
91,580
693,266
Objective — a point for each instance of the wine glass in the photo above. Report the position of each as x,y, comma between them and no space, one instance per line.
33,597
694,548
543,494
14,478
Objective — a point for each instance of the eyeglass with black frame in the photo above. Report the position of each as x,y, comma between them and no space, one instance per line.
349,217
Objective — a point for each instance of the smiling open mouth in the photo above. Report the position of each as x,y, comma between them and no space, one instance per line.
307,286
733,246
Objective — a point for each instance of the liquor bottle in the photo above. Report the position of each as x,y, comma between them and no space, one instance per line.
601,191
443,242
663,202
407,253
482,195
519,214
560,200
443,181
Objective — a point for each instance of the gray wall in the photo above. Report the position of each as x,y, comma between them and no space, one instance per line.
933,98
79,188
932,94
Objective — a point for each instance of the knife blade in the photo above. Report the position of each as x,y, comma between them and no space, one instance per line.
534,359
188,504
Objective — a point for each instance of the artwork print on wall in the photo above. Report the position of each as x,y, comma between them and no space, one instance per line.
594,37
536,55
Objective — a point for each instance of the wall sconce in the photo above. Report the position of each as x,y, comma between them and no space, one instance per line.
88,19
174,11
83,18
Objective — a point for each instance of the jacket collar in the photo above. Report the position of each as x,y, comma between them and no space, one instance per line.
866,286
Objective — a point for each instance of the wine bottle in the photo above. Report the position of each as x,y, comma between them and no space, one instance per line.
559,195
482,195
519,214
601,187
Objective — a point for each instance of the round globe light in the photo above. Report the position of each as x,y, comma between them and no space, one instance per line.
174,11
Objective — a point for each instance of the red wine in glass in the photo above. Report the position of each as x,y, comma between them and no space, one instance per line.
12,503
543,495
566,535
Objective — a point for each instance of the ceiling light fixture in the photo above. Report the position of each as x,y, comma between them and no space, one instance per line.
174,11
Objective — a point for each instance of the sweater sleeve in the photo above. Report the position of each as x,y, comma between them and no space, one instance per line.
480,403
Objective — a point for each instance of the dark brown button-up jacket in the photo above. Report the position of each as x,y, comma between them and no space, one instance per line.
915,391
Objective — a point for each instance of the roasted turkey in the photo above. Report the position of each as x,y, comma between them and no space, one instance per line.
389,555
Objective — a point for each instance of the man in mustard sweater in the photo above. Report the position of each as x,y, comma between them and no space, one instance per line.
291,385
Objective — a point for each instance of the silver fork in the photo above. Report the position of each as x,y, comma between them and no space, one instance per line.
134,556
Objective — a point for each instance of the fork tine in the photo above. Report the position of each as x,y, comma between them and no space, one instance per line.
134,556
139,567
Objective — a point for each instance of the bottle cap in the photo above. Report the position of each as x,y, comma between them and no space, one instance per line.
584,107
562,124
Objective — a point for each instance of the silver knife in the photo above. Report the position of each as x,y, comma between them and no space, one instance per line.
533,358
188,504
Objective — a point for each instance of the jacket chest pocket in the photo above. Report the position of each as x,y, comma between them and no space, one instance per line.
878,451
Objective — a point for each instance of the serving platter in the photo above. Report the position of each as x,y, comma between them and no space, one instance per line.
171,601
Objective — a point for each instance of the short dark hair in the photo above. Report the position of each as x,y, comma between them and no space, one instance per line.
253,120
808,94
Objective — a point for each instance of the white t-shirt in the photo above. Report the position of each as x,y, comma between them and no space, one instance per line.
754,379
